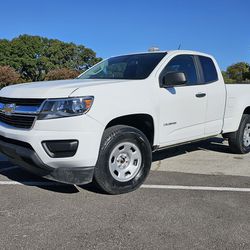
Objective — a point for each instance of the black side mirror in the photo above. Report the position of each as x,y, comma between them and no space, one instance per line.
173,79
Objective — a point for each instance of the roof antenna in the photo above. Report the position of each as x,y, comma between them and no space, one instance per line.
179,47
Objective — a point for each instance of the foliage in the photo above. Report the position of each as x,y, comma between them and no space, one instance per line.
60,74
238,72
247,76
8,76
226,77
34,56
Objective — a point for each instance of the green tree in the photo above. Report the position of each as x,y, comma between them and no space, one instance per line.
8,76
60,74
246,76
238,71
34,56
226,77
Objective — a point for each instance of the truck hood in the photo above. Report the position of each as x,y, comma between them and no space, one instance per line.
51,89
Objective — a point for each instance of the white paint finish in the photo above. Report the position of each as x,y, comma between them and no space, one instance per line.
216,100
237,100
215,107
115,98
181,106
83,128
51,89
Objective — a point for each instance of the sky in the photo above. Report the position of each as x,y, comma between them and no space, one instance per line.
113,27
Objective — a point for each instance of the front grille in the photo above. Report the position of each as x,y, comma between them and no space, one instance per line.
22,120
17,120
21,101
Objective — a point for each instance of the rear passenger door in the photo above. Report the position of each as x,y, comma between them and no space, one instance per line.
216,94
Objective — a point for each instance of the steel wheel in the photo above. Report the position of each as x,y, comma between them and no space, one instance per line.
246,135
125,161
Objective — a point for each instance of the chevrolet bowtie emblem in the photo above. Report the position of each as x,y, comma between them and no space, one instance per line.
8,109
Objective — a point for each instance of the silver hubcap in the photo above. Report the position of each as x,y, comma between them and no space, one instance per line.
125,161
246,136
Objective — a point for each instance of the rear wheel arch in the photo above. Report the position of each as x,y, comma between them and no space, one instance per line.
243,112
239,141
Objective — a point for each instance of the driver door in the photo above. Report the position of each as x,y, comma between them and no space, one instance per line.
183,107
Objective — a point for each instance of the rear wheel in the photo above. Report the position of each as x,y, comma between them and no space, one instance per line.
124,160
239,141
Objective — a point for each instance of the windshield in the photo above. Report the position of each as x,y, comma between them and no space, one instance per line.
137,66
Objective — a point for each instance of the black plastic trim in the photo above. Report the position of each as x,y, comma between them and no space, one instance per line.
16,142
24,156
60,148
22,101
200,95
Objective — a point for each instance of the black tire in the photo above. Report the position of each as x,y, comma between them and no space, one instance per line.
236,139
112,137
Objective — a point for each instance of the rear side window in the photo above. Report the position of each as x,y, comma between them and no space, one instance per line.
185,64
209,70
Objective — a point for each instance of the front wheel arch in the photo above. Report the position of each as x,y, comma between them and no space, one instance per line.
141,121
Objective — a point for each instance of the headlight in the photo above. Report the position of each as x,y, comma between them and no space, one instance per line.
57,108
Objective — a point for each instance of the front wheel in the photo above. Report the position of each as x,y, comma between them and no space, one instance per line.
239,141
124,160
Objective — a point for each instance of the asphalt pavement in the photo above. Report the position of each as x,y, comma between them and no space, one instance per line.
196,197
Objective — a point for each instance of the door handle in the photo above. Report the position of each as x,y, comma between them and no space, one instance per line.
200,95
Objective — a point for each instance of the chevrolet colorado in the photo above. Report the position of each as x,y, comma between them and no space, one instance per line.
104,125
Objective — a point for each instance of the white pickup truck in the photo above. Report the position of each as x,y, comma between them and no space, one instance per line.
104,125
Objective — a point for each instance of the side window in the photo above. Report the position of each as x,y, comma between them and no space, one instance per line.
185,64
208,68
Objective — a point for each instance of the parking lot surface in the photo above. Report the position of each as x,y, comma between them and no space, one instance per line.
197,196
